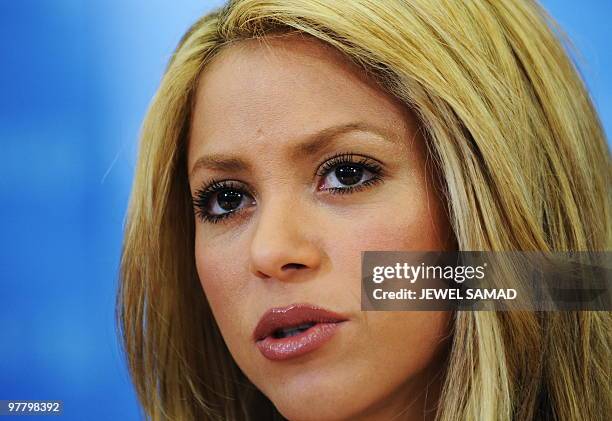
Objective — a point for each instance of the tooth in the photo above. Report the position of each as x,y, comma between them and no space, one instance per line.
292,331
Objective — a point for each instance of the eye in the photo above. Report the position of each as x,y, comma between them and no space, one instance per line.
221,199
346,173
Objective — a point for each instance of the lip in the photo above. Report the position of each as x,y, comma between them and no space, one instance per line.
326,324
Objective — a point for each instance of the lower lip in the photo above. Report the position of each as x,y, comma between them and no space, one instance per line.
278,349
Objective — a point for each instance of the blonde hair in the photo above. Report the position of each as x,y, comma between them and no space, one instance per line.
524,166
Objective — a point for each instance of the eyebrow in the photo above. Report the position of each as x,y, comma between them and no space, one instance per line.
313,144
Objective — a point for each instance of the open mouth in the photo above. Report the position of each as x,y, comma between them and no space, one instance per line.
291,331
288,332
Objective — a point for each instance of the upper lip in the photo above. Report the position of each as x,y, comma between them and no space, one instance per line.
293,315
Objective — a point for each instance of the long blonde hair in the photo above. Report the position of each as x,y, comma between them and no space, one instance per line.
524,166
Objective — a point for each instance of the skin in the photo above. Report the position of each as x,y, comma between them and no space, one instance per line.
293,241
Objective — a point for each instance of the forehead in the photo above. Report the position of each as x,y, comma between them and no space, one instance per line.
267,92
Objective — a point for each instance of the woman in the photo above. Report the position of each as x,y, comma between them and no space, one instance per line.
287,137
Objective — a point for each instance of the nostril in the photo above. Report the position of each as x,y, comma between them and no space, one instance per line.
293,266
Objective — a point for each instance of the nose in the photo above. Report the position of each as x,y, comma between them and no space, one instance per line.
283,244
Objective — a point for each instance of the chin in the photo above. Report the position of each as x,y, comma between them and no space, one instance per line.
299,399
305,410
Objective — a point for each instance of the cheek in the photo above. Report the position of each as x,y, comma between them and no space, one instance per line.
408,216
398,344
405,230
390,226
223,280
411,340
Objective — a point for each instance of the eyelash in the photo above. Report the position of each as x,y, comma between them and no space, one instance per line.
202,196
349,159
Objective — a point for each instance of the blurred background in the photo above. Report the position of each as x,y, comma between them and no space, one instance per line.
76,77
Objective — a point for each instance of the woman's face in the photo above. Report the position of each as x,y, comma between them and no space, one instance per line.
297,164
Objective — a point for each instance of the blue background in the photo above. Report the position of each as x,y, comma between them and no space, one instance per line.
75,81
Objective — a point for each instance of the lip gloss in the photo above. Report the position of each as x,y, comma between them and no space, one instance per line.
294,330
277,349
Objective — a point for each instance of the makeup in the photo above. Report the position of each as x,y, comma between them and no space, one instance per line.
290,332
